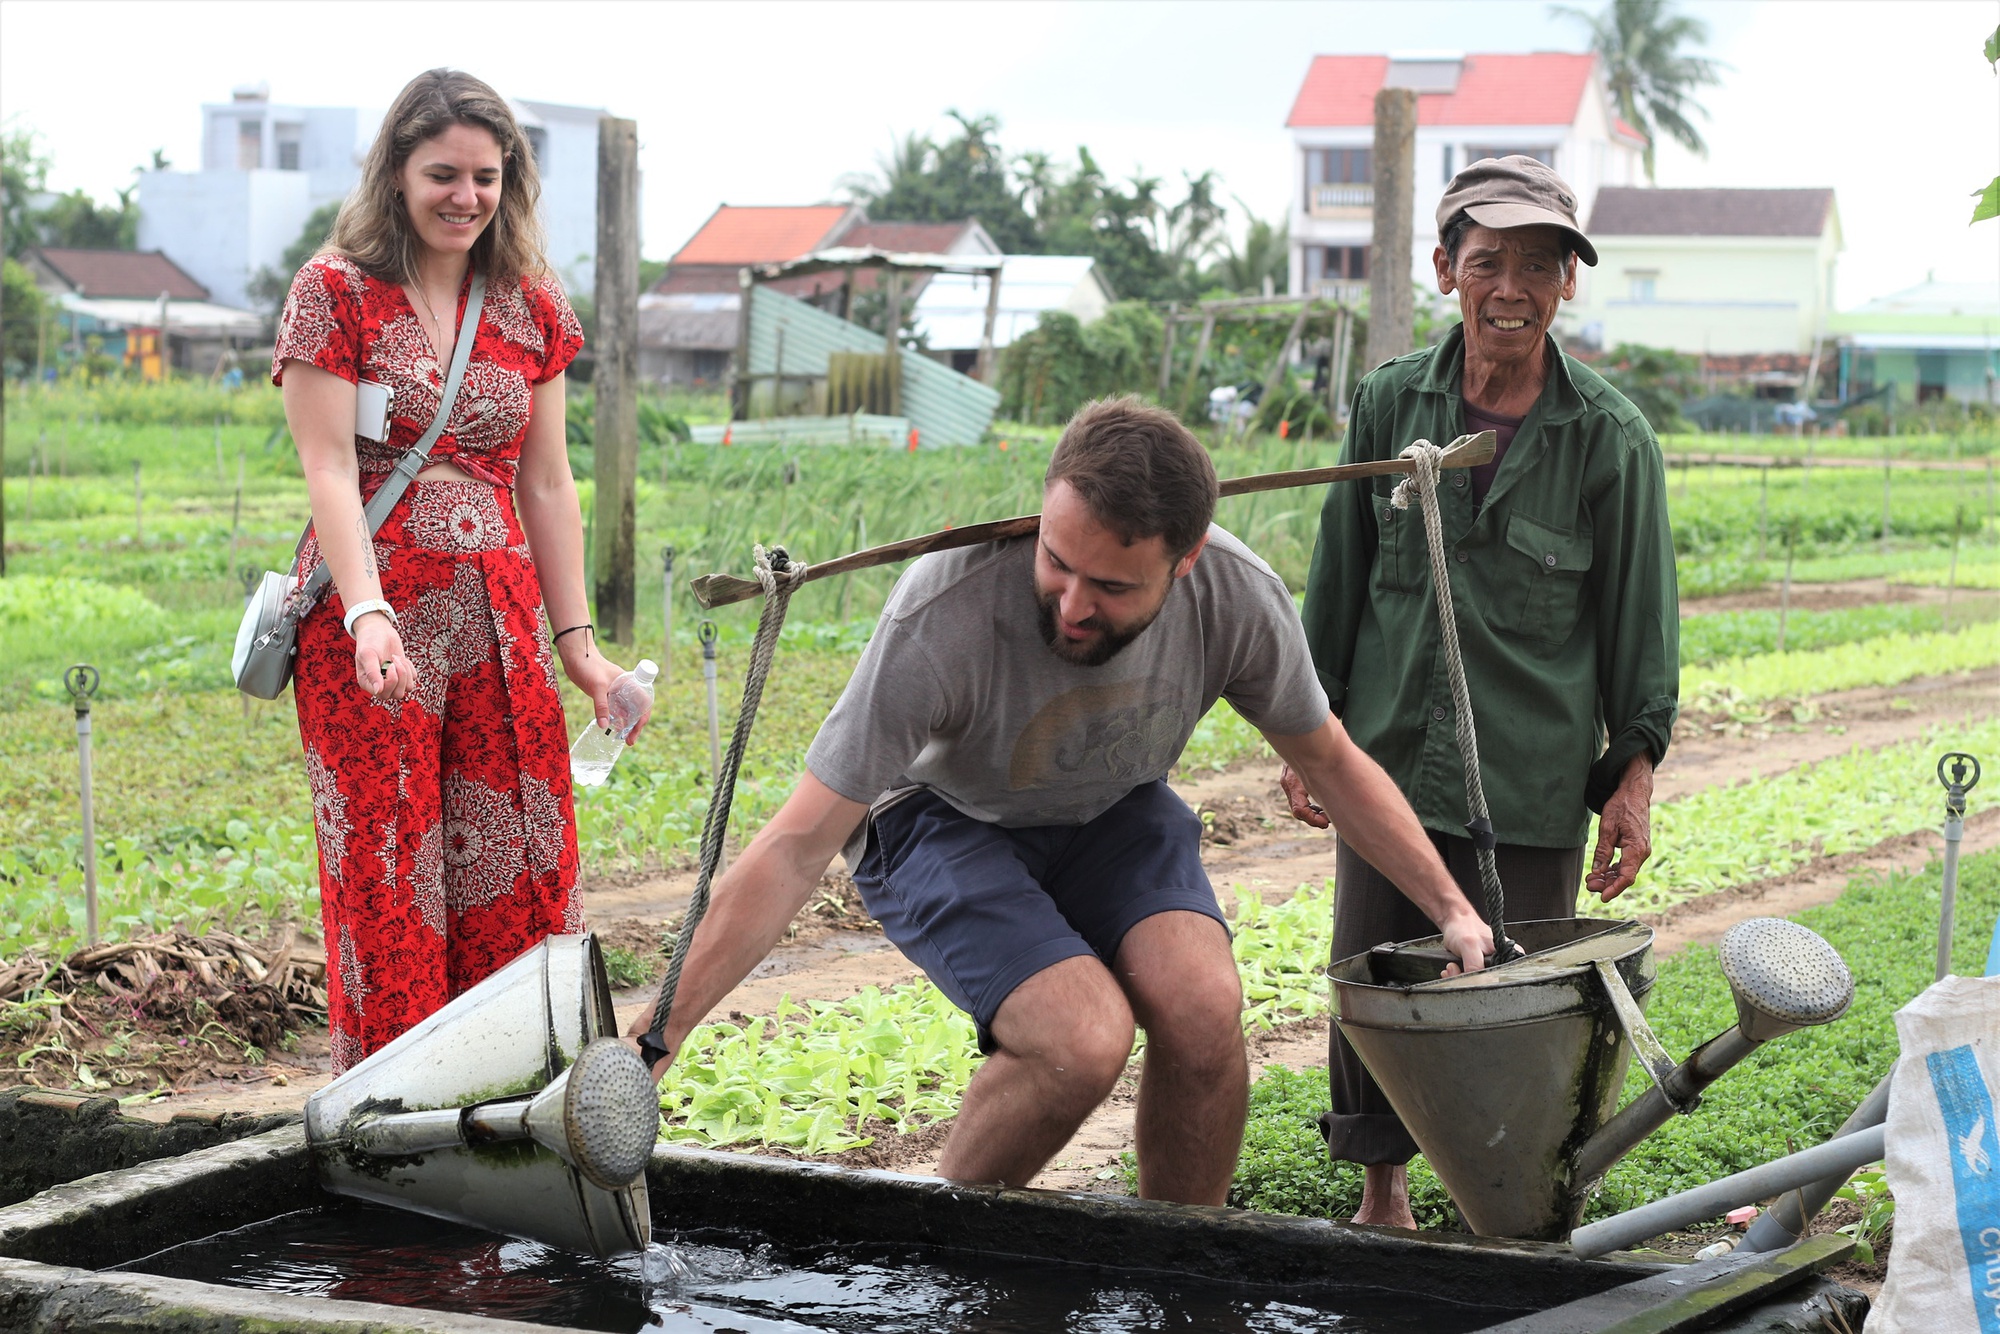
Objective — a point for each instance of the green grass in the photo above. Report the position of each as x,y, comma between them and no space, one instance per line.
1789,1094
1932,445
151,598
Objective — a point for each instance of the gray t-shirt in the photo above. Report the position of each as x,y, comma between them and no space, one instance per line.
959,692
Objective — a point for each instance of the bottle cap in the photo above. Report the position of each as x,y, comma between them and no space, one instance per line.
646,671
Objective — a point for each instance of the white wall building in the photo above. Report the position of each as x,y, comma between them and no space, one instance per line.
1551,106
1719,272
266,166
951,312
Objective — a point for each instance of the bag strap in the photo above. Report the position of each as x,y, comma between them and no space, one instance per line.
417,455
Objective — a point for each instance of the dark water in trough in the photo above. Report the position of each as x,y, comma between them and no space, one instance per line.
716,1281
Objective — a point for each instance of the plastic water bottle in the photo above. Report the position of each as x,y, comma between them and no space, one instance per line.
597,749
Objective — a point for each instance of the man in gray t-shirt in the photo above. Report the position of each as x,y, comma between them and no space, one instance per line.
995,772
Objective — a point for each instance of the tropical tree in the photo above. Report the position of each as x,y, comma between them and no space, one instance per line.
24,174
1652,79
268,287
1989,198
1265,252
79,222
963,177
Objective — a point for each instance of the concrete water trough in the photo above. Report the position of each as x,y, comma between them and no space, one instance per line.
777,1245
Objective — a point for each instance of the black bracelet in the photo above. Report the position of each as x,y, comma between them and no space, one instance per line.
572,630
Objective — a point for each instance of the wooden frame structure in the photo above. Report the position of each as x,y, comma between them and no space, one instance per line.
1252,310
848,261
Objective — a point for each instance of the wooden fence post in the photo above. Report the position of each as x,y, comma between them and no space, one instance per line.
1200,355
988,369
1391,298
616,380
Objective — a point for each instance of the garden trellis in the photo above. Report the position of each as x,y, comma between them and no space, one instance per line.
1303,312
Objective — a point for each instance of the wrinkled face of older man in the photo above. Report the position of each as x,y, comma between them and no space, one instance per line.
1509,284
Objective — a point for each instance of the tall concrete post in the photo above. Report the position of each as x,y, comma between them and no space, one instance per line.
1391,309
614,559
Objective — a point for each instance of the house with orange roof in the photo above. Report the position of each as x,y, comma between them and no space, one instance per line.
688,320
1551,106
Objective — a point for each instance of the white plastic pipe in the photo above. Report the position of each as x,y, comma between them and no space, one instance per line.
1731,1192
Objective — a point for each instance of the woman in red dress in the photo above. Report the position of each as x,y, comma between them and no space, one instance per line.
426,684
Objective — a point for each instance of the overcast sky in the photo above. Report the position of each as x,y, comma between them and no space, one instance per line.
1888,101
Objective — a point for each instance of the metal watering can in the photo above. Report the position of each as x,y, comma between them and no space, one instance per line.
514,1108
1508,1079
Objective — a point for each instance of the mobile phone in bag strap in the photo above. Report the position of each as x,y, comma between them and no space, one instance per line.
417,455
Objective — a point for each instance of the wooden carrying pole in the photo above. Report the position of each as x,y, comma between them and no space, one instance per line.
616,381
720,590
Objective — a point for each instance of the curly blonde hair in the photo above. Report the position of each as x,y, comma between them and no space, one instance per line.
374,229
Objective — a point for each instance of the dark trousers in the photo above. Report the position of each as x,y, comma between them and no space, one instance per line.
1368,910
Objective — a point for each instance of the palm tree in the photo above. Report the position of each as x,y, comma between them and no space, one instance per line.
1650,78
908,161
1265,252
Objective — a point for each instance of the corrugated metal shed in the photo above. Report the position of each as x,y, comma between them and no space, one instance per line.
945,407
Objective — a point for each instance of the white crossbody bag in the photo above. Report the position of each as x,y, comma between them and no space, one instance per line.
267,640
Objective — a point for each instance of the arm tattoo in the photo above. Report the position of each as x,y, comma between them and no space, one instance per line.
367,546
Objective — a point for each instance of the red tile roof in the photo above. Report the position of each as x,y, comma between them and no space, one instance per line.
1544,88
735,234
1623,210
928,238
140,274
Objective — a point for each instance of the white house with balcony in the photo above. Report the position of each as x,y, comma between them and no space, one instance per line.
265,167
1551,106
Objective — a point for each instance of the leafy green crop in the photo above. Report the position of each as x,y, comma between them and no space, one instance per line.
1727,686
1740,634
1724,836
813,1079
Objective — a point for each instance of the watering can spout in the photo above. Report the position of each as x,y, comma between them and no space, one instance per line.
1783,977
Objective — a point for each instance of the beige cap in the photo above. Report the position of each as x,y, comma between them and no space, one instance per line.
1514,191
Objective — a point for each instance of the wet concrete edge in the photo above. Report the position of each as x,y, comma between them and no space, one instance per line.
56,1299
112,1217
808,1202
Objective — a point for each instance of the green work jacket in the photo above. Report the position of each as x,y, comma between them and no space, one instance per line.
1563,582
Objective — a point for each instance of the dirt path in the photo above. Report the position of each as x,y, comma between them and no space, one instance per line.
1254,845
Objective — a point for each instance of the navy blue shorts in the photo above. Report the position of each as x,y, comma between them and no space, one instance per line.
981,908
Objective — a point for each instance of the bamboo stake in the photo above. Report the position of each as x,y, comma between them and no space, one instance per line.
1785,593
720,590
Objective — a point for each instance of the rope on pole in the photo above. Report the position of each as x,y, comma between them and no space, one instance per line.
781,576
1421,486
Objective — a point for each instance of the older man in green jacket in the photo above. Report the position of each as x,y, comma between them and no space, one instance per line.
1562,572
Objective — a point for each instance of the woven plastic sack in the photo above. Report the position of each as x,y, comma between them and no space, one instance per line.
1944,1164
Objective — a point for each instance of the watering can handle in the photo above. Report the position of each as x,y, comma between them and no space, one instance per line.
1652,1053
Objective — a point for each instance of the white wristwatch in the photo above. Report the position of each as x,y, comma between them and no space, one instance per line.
360,609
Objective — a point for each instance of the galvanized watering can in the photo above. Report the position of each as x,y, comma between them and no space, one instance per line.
1508,1079
514,1108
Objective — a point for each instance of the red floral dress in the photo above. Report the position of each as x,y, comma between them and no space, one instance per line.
447,837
